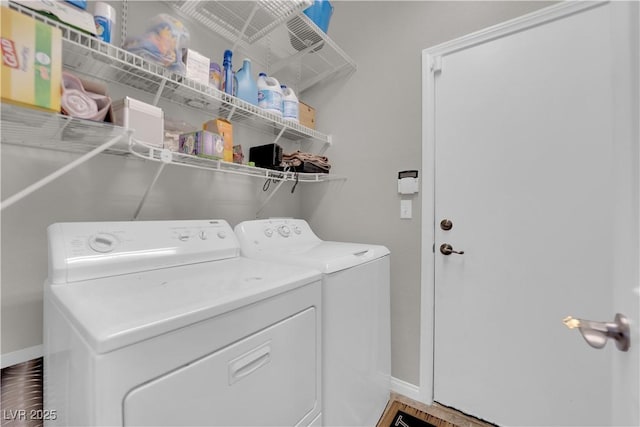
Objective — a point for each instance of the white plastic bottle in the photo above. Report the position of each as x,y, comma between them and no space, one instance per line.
290,108
269,94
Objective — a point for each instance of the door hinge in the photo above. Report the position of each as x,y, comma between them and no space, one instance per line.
436,64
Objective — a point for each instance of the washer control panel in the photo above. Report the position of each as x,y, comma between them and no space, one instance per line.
85,250
275,233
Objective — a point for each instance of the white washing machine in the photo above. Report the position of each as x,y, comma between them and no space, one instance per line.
163,323
356,314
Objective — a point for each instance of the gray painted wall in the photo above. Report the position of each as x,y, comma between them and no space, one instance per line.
374,116
375,119
109,188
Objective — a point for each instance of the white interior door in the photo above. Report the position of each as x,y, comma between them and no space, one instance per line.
537,169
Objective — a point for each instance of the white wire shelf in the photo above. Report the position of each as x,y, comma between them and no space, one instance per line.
88,56
166,156
296,46
241,21
301,46
40,129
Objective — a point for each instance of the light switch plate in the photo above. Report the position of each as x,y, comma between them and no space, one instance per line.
405,209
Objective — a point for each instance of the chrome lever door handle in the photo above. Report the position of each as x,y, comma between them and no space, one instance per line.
597,333
447,249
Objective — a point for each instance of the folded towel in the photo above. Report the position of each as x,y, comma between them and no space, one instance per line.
299,158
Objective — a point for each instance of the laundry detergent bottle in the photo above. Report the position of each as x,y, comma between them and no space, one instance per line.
269,94
227,73
246,86
290,108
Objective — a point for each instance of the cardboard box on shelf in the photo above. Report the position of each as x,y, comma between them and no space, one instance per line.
307,115
223,128
203,144
31,62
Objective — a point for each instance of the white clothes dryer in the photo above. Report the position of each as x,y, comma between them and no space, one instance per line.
163,323
356,345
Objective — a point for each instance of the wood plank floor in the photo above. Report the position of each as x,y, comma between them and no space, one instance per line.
436,414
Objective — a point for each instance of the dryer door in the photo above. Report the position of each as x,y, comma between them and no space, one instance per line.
268,378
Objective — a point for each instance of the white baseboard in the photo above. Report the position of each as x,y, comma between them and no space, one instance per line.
19,356
404,388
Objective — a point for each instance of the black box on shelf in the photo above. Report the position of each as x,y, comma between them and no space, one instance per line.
266,156
307,167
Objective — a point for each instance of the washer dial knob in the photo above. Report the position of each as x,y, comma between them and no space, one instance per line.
284,231
268,232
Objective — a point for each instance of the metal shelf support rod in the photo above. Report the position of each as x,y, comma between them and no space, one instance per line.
269,197
156,99
53,176
280,134
326,144
149,188
233,110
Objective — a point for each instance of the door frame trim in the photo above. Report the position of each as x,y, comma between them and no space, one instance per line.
431,66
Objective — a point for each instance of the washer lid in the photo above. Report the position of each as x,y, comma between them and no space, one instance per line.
328,257
292,241
117,311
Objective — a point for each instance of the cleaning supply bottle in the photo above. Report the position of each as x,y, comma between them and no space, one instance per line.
269,94
227,73
215,75
246,87
290,108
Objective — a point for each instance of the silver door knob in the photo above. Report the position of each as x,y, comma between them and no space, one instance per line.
447,249
597,333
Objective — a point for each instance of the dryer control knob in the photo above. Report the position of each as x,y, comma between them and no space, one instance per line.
268,232
183,237
222,234
297,230
203,235
284,231
103,242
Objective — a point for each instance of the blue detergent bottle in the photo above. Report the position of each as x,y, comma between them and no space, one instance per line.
246,86
227,72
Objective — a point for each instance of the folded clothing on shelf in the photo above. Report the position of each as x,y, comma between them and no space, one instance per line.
306,162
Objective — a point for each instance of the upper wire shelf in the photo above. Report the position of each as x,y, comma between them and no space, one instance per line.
93,58
241,21
296,45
